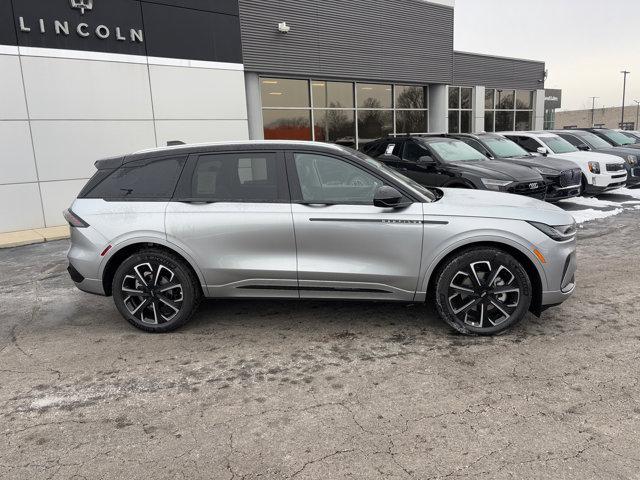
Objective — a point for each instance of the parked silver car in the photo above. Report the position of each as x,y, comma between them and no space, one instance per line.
161,229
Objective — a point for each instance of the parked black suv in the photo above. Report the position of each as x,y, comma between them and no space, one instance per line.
614,137
590,142
439,161
562,176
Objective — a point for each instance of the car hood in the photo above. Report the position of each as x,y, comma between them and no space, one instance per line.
481,203
551,163
497,169
589,157
620,151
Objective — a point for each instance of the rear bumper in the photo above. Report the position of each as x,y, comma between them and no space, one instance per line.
89,285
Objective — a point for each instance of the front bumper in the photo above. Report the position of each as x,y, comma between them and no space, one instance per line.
560,270
555,193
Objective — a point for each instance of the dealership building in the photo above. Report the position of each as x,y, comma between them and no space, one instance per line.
85,79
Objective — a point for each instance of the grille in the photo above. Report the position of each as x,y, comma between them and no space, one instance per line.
636,172
530,189
570,177
615,167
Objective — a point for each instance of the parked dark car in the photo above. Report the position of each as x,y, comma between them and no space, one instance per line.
590,142
614,137
562,176
448,162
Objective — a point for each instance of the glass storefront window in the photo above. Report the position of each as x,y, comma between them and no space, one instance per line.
454,97
488,121
372,95
524,120
282,92
465,121
465,98
332,94
454,121
374,124
524,100
287,124
504,121
335,126
489,98
504,99
412,121
410,97
346,113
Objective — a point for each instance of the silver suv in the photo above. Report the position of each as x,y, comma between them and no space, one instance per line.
161,229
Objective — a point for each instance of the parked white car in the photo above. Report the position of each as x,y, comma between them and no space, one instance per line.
600,172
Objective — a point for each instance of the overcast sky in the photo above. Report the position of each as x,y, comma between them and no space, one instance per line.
584,43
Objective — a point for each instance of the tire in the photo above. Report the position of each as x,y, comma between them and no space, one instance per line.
494,299
155,291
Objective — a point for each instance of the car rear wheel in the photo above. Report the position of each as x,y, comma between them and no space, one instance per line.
482,291
155,291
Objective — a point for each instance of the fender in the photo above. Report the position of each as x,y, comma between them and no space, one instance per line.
151,237
456,242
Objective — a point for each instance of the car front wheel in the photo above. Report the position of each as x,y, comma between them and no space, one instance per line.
155,291
482,291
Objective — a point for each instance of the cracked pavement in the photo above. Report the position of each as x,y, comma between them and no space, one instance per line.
323,390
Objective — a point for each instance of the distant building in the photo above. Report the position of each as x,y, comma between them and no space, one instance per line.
602,117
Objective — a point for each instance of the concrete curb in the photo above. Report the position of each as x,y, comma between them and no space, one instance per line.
29,237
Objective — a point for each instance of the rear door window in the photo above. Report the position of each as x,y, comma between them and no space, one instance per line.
149,179
238,177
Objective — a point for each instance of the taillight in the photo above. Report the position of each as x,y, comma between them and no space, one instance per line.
74,220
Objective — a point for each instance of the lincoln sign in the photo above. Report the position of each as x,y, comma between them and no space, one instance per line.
82,29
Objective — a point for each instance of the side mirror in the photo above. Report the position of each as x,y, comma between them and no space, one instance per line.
583,148
542,151
426,161
388,197
387,157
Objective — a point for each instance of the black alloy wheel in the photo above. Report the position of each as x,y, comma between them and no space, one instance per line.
155,291
482,291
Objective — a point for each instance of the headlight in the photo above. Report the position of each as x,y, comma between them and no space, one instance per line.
594,167
632,160
545,171
559,233
493,184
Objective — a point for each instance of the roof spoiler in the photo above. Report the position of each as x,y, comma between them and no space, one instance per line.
109,163
174,143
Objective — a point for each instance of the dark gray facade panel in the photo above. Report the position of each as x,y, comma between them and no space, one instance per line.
381,40
497,72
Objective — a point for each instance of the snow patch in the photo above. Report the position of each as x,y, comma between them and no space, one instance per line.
592,202
589,214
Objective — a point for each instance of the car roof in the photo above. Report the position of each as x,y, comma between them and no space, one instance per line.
530,134
186,149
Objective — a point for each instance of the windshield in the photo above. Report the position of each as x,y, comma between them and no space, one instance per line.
594,140
455,151
393,173
502,147
558,145
618,138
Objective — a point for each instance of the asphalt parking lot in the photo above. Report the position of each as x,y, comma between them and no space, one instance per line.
278,389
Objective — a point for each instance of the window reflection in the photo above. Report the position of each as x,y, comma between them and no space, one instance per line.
286,124
410,97
465,121
332,94
374,124
524,99
524,120
454,97
411,121
504,121
489,98
372,95
504,99
279,92
335,126
488,121
465,97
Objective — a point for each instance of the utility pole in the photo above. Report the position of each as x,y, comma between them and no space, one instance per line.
624,91
637,114
593,110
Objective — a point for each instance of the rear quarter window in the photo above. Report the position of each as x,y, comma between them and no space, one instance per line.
149,179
